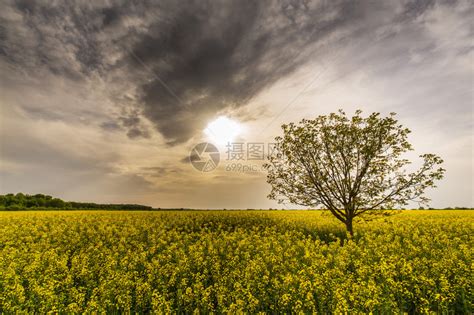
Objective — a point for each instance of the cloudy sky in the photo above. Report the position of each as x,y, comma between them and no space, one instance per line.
104,100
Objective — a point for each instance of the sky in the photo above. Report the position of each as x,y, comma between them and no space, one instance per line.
104,101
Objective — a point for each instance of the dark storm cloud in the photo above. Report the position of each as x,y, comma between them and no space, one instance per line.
58,38
134,133
110,126
185,61
208,56
134,126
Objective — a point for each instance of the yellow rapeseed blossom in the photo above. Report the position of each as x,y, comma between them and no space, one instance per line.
234,261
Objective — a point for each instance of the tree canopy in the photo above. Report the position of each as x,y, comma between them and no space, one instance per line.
349,165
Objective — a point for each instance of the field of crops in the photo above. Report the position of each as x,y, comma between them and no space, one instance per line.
251,261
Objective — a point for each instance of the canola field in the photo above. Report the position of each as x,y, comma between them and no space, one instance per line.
234,261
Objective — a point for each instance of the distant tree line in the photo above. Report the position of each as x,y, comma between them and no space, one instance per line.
22,201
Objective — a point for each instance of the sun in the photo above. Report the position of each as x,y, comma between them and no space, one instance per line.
223,130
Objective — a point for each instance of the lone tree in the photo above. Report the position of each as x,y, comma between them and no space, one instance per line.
350,165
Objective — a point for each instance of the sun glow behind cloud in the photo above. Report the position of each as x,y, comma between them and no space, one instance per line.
223,130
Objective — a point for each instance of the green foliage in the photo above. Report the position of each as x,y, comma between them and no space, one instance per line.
350,165
416,262
22,201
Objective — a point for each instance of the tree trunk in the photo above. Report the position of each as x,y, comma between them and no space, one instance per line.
349,226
